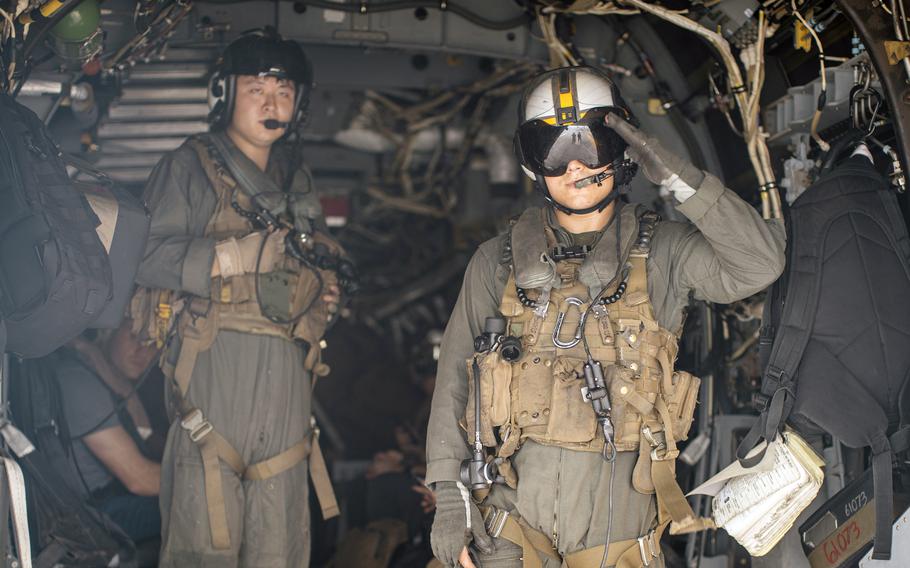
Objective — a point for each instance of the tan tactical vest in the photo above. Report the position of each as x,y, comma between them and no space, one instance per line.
539,396
234,305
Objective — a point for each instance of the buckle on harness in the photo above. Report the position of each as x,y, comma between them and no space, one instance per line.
197,426
563,252
648,548
494,520
658,444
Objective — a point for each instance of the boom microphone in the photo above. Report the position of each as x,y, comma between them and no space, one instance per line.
273,124
596,178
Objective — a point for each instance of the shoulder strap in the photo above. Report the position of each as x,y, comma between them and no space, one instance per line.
790,336
209,160
641,249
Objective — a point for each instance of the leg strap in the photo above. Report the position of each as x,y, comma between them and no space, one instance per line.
215,449
322,483
201,433
638,552
633,553
511,527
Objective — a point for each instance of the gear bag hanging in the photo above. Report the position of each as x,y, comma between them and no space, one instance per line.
836,325
68,256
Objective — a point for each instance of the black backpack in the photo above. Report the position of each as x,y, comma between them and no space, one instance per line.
835,341
65,529
55,275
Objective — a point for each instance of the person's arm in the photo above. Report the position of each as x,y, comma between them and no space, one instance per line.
446,446
177,257
118,452
733,254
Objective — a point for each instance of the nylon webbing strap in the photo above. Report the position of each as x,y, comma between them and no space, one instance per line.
186,362
214,494
19,509
881,479
322,483
638,277
671,499
631,553
280,463
884,491
532,541
791,338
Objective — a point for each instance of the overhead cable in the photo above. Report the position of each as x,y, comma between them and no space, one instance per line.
754,135
822,96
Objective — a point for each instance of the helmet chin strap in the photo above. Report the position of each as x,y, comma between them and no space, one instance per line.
598,207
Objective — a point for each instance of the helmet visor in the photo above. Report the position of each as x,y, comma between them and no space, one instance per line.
546,149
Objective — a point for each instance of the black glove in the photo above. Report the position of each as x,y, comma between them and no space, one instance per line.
456,523
661,166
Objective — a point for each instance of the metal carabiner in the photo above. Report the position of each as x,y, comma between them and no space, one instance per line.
573,301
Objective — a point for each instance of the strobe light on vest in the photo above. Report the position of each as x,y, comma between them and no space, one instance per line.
493,328
510,349
493,337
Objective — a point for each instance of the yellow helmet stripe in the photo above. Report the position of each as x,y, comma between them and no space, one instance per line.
552,119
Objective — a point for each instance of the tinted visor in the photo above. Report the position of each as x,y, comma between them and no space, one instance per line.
546,149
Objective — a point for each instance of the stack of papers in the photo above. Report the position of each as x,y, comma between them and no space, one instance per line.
758,505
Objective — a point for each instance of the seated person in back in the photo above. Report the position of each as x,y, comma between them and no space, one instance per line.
108,450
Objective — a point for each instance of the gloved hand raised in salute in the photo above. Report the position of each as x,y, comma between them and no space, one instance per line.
660,166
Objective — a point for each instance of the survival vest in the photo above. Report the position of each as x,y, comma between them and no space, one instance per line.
263,304
836,323
539,396
236,303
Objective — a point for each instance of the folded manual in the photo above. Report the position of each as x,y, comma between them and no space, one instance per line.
758,505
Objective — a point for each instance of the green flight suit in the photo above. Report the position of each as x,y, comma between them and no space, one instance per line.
726,253
252,388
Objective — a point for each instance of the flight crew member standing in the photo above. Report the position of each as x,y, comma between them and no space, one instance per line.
249,317
579,401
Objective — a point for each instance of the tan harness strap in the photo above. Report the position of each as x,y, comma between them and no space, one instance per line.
287,459
280,463
638,276
186,362
632,553
215,449
322,483
530,540
214,495
200,432
672,502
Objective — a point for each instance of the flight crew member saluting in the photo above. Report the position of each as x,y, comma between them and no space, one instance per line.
579,401
224,205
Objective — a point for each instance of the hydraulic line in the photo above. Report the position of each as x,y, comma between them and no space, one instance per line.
755,140
822,74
